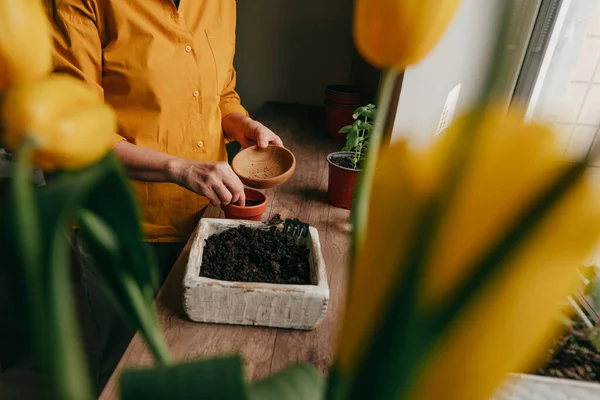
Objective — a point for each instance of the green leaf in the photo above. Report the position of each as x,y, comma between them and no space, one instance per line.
369,115
365,111
352,140
125,223
22,239
365,125
125,293
345,129
297,382
358,112
103,247
218,379
68,367
369,112
24,224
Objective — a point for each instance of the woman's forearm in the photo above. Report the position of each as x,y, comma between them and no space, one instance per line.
146,164
213,180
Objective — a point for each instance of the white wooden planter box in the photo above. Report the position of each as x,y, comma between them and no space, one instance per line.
245,303
532,387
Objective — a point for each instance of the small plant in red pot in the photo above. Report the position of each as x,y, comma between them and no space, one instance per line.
256,204
345,165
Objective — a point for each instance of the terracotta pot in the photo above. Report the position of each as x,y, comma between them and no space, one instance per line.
251,213
342,182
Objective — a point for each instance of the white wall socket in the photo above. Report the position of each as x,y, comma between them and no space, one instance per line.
449,109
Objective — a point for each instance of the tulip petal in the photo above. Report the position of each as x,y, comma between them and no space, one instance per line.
71,125
82,137
510,163
509,325
391,33
25,44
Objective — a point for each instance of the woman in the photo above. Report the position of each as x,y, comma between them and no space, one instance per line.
167,70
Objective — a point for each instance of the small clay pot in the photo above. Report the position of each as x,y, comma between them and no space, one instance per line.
342,182
253,212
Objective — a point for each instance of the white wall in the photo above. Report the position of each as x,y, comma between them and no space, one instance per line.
462,56
289,50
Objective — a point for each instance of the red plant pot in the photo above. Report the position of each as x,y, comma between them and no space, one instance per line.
343,94
340,103
342,182
250,213
353,103
336,118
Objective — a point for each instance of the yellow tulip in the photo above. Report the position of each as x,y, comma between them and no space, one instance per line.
25,42
399,33
71,126
509,324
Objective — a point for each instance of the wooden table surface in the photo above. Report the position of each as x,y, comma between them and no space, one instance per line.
266,350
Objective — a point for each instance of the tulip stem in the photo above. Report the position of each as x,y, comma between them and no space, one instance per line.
383,123
25,221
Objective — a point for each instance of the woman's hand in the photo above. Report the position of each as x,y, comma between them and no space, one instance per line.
213,180
249,132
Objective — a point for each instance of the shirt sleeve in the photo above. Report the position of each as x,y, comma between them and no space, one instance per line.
230,100
77,44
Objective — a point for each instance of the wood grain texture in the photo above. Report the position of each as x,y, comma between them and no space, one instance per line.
267,350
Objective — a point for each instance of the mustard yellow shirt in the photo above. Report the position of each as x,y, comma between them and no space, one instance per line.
168,73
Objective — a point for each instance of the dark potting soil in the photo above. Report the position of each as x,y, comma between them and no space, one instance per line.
252,203
255,255
345,162
573,357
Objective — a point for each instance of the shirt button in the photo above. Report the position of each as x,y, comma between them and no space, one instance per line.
188,48
196,93
200,143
